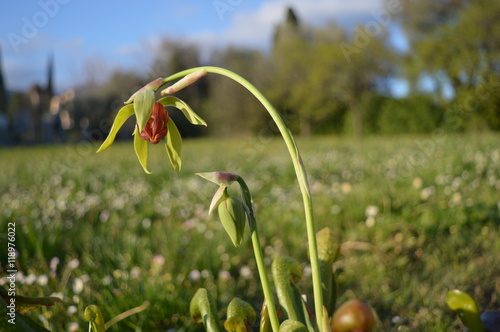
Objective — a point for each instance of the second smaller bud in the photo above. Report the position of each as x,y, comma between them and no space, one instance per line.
233,218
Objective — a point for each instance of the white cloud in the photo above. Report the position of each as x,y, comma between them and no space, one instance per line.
240,27
256,28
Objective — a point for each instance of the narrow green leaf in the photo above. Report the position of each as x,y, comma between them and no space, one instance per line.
143,106
185,109
27,303
141,150
123,114
173,143
126,314
12,321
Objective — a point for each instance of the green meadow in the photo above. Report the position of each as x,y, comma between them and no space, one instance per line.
415,216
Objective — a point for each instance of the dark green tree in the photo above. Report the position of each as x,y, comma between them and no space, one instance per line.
319,72
232,110
3,89
456,44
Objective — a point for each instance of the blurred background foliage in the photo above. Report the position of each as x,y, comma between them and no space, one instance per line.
330,80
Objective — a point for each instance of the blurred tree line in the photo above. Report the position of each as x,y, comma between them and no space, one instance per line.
330,80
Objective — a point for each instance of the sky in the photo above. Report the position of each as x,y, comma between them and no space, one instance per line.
105,35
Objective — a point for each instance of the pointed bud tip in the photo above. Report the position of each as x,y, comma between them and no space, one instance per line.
219,178
151,86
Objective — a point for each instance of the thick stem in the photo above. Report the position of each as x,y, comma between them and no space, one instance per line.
299,171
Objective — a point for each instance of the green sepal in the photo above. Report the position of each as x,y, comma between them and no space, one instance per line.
184,108
143,106
233,218
466,308
220,195
141,150
173,144
123,114
219,178
94,316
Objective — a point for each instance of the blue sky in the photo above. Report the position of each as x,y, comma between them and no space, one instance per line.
104,34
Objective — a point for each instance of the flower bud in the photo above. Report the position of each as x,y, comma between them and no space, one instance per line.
184,82
353,315
233,217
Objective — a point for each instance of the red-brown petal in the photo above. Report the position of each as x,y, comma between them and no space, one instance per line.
156,127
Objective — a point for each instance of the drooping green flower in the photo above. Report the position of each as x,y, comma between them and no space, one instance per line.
232,211
153,123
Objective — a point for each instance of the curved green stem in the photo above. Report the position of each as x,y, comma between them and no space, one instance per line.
299,170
